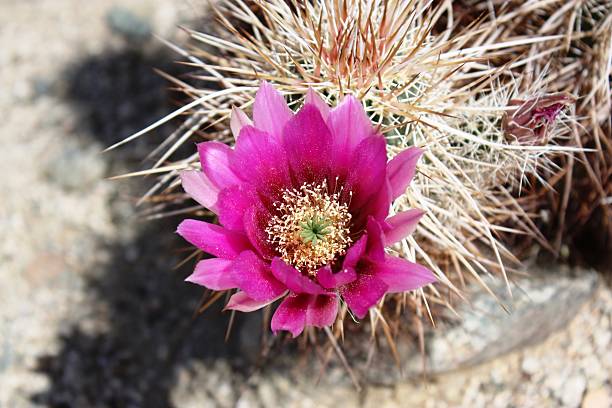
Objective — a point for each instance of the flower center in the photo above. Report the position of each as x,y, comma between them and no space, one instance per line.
311,228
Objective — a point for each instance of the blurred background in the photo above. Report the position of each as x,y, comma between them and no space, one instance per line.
95,313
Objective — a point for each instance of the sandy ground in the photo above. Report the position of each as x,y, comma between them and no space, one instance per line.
92,313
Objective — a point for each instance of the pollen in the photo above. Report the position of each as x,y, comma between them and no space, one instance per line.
311,228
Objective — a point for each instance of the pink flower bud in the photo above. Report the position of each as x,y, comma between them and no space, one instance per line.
528,121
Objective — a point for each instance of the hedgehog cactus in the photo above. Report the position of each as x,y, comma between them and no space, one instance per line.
423,81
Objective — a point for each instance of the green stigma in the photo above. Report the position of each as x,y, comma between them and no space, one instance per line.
314,230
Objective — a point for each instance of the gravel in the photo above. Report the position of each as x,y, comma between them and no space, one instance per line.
92,313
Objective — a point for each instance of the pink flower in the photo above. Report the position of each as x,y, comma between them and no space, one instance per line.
527,121
303,202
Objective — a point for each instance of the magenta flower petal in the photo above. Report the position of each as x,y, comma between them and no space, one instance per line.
363,293
375,249
262,162
255,221
241,302
213,273
293,279
349,125
402,275
253,276
291,314
401,225
322,310
330,280
401,170
215,160
378,208
367,172
298,311
233,203
313,99
270,111
213,239
355,252
307,141
200,188
238,120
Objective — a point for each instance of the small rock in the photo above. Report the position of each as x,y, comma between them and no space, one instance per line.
497,376
224,394
247,399
594,370
42,87
503,399
573,389
267,394
555,381
602,339
128,24
598,398
379,398
530,366
22,91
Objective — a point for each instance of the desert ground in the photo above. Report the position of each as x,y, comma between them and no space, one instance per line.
93,312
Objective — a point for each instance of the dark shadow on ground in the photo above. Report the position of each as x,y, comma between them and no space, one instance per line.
151,331
147,330
118,93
